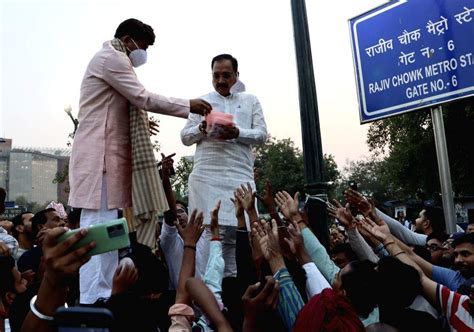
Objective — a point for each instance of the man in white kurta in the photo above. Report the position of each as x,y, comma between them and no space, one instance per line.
222,165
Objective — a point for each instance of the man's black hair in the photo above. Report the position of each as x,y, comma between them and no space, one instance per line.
183,204
39,219
152,273
402,283
423,252
346,249
436,217
137,30
440,236
7,283
18,221
360,283
465,288
74,216
466,238
221,57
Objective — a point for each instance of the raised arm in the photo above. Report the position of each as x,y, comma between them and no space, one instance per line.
190,235
215,263
367,208
290,302
401,232
246,271
171,244
61,264
315,281
255,305
204,298
165,172
289,207
268,201
247,200
119,74
456,307
356,241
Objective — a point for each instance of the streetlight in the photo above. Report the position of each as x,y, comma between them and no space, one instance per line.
312,149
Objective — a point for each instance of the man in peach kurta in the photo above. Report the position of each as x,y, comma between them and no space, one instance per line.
100,171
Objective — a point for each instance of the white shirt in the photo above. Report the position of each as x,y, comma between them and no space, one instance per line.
220,166
315,281
172,246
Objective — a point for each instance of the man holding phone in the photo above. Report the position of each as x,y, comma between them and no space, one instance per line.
100,171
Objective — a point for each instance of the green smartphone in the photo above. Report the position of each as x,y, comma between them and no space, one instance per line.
108,236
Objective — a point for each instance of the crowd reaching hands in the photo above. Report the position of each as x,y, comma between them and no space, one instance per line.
273,245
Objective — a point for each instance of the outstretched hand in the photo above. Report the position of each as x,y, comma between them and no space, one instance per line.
267,236
256,304
357,200
125,276
215,220
247,197
167,165
381,232
60,261
288,205
193,230
238,205
200,106
341,213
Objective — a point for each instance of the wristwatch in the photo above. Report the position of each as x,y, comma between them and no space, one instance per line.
202,127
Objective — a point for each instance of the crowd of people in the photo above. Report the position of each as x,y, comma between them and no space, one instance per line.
220,266
376,276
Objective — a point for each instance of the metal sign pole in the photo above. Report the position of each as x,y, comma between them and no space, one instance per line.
310,129
443,167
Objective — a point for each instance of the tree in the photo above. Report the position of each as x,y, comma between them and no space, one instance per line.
30,206
407,145
281,163
179,181
372,178
277,161
63,177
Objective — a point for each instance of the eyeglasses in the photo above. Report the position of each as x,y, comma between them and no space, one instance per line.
225,75
434,247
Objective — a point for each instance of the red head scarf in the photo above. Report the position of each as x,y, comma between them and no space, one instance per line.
328,311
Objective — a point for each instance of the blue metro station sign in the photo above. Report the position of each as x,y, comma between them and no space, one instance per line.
412,54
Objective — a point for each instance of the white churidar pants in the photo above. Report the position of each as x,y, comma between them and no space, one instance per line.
95,277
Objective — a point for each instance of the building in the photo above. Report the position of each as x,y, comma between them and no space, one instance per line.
30,172
464,208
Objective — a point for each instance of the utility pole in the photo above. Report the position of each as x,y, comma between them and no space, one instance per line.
443,167
312,148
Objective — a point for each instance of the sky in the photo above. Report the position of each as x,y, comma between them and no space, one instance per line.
47,44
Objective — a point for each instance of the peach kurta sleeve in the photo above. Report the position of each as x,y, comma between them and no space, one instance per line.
120,75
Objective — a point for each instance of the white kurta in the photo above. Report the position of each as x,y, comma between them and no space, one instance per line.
222,166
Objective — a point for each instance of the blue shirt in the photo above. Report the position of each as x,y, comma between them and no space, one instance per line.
449,278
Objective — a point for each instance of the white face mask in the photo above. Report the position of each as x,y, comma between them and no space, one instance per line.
137,56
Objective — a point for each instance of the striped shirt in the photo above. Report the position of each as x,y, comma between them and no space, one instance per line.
289,300
10,241
456,308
